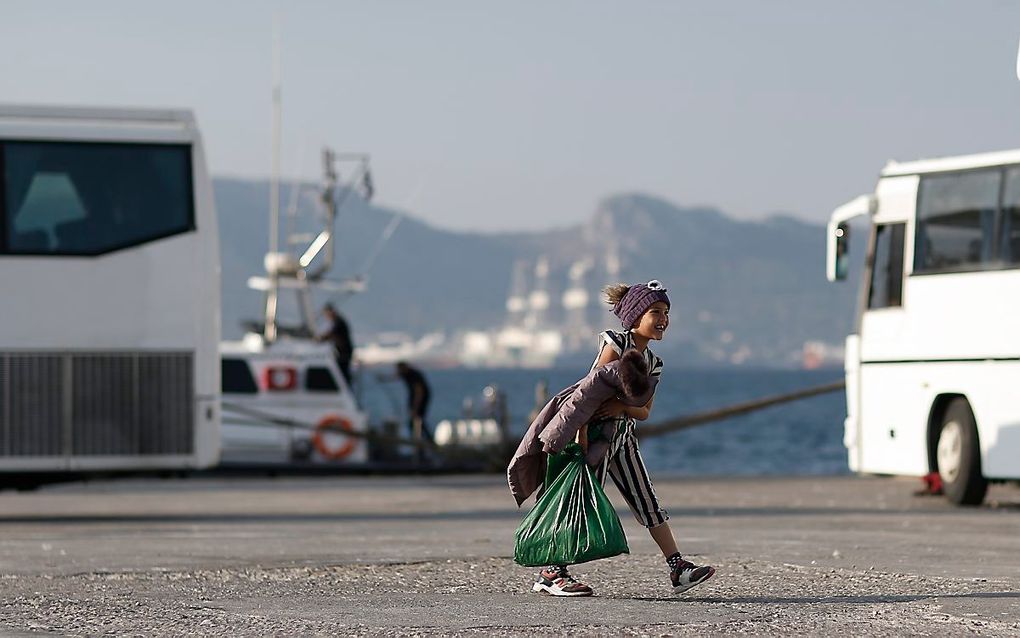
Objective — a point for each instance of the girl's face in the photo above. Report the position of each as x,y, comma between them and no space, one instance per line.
653,324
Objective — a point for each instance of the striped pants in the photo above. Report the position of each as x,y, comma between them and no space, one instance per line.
623,462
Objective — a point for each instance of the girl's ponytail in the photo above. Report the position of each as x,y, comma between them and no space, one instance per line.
614,293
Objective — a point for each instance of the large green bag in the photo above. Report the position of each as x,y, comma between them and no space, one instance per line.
573,521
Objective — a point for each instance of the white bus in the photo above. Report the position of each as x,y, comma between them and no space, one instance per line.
933,371
109,281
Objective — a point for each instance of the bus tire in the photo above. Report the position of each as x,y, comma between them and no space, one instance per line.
958,456
332,423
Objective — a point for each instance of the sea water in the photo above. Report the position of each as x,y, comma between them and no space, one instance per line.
804,437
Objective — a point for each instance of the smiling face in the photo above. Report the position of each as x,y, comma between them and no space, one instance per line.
653,324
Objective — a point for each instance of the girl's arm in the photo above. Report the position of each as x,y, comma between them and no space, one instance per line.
641,413
614,408
606,355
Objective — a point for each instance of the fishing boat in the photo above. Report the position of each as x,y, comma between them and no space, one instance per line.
285,401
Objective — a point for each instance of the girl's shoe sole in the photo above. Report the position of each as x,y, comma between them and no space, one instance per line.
543,589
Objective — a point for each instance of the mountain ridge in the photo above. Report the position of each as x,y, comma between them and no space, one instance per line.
747,290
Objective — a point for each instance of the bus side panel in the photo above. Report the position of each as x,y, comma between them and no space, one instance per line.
971,318
890,398
899,398
893,417
991,389
207,317
852,424
968,316
896,401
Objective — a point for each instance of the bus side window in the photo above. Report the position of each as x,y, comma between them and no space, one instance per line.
887,269
956,218
1011,217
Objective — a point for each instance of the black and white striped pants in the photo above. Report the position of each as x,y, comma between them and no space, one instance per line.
623,462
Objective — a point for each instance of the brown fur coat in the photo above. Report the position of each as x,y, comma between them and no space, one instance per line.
557,424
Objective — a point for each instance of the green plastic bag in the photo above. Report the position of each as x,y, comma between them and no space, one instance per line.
573,521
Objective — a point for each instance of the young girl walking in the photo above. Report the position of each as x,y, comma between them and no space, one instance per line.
643,310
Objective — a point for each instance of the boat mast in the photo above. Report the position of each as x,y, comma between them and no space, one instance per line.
273,294
282,267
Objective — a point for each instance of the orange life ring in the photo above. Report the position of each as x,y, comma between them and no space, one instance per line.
331,422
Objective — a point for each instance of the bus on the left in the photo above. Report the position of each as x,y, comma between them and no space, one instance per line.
109,294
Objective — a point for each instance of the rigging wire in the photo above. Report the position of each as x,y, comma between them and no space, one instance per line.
391,228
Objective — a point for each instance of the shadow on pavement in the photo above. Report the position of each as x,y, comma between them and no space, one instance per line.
814,600
247,517
472,514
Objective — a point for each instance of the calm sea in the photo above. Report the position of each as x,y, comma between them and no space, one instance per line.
803,437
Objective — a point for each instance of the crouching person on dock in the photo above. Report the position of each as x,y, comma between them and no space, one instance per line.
623,359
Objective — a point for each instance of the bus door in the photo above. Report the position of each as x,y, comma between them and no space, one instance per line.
883,382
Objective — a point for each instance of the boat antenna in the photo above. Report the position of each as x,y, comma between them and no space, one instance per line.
272,295
294,194
274,180
332,204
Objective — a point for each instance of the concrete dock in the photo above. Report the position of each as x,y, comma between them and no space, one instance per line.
430,555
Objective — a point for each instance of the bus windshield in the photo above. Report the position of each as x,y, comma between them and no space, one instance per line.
92,198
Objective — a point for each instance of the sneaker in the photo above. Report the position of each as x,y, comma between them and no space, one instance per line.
686,575
558,582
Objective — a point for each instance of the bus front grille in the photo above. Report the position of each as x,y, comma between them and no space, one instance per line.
96,403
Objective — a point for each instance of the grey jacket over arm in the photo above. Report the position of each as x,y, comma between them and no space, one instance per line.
626,379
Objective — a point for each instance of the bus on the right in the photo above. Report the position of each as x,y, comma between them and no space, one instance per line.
933,368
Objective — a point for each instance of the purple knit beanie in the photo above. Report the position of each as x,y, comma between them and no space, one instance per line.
637,300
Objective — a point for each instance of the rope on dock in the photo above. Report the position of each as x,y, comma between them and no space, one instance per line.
255,417
260,418
684,422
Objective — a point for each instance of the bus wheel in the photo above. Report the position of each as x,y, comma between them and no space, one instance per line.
959,457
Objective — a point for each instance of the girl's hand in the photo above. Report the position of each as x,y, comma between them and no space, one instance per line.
582,438
610,409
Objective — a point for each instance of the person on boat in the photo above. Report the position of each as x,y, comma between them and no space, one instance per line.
418,396
339,336
643,310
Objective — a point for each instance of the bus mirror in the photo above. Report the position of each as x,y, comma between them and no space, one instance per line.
842,246
837,234
836,251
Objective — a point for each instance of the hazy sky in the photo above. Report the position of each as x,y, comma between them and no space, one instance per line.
511,115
